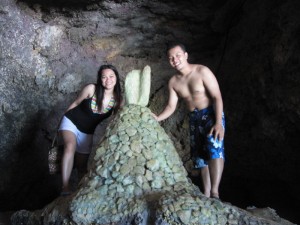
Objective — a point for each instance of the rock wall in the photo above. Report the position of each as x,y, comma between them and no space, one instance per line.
50,49
260,85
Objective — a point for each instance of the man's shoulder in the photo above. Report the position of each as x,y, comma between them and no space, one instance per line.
175,77
201,68
202,71
172,79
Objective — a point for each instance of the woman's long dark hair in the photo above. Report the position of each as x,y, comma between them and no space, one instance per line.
100,89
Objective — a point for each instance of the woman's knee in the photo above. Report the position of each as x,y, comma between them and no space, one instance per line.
69,144
69,150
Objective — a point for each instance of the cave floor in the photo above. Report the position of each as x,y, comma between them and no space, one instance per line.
244,193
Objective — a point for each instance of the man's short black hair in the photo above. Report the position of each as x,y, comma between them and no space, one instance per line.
174,44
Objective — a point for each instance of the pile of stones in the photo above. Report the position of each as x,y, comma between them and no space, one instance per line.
135,176
137,164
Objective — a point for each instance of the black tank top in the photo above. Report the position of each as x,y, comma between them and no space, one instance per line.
84,118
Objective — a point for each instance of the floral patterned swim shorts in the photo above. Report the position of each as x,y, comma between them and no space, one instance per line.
204,147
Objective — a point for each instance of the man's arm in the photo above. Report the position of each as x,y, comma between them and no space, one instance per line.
211,84
171,106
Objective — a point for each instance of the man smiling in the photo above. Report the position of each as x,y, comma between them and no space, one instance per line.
198,87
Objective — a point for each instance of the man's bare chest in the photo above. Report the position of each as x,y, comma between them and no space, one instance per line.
189,89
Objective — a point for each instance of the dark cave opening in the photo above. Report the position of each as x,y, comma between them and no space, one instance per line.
245,192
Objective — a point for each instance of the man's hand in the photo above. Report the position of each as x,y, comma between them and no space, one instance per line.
155,116
218,131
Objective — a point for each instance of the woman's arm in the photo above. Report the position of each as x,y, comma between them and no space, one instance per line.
86,92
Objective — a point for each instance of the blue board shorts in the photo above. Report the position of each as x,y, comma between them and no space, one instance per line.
204,147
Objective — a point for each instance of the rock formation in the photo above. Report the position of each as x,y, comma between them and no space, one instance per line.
135,176
49,49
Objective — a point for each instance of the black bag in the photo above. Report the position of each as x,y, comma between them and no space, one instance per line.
55,155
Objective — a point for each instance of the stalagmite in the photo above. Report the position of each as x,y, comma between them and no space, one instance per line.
135,176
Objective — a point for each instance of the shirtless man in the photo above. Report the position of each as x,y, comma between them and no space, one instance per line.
198,86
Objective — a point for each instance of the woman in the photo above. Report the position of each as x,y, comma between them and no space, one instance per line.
95,103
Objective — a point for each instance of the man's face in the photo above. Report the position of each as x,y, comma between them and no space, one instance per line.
177,57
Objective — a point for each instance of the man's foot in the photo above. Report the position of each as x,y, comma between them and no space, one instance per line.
214,195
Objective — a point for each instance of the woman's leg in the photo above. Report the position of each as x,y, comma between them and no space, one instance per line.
69,139
81,161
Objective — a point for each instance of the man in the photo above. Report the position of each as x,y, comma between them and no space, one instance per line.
198,87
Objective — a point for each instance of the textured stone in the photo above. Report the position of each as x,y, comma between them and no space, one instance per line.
153,165
184,216
137,84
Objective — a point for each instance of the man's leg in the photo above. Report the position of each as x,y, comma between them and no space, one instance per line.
216,167
206,181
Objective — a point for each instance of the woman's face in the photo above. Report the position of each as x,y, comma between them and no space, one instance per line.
108,79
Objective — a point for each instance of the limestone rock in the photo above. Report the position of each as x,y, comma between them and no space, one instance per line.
137,86
137,180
